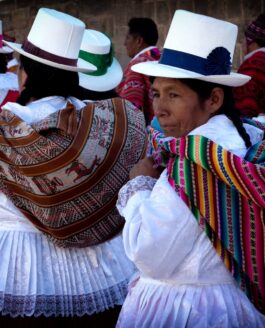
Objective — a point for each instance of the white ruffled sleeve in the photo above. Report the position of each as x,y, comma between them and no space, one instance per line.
160,229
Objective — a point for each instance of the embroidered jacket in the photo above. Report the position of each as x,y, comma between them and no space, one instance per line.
250,98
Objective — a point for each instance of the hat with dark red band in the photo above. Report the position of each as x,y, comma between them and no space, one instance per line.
55,39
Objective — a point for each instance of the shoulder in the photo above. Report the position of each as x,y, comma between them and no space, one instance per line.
151,54
117,107
255,61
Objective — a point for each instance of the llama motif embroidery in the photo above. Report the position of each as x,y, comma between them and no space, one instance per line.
81,170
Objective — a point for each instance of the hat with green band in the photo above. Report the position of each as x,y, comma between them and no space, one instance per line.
96,48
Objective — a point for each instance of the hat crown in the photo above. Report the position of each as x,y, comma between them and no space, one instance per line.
95,42
96,48
57,33
199,35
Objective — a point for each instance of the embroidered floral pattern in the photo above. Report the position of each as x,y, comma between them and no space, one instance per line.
137,184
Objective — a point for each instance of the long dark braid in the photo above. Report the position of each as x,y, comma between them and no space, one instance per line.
228,108
204,90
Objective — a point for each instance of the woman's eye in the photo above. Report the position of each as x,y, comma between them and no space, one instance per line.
155,94
173,95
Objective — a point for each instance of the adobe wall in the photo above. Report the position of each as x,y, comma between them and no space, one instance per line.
111,16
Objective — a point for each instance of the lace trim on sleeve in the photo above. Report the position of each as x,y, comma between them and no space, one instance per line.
137,184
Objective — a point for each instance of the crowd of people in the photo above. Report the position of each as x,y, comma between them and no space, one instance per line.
135,197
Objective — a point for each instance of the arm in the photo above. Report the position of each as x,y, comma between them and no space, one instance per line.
160,230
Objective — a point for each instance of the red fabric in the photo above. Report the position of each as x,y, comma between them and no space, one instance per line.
135,87
250,98
11,96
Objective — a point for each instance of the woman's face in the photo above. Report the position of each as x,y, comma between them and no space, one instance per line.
178,107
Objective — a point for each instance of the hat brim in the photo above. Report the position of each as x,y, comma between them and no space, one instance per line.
81,66
104,82
6,50
154,68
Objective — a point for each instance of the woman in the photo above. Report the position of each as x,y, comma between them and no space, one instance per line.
250,98
61,249
183,281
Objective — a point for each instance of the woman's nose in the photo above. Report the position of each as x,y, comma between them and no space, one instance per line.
159,107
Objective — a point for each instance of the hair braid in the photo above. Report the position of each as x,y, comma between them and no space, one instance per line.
228,108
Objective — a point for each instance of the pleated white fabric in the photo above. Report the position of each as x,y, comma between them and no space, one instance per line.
37,277
191,306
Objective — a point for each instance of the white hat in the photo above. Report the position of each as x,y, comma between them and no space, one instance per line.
3,49
96,48
197,47
54,40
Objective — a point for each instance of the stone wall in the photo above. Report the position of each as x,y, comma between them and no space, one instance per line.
111,16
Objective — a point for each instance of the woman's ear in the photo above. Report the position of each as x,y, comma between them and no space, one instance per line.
215,100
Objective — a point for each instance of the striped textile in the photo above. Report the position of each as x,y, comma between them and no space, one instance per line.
227,196
250,97
64,172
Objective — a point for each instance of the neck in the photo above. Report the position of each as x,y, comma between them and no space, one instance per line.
140,49
252,46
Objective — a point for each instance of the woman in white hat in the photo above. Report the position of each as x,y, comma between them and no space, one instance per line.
8,81
62,164
195,231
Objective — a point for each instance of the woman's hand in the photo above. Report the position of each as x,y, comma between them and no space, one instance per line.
145,167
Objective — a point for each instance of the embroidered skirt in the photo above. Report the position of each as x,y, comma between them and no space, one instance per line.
39,278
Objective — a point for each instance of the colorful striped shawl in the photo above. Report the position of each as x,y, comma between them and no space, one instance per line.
227,196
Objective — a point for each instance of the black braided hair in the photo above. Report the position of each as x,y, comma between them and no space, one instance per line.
44,81
204,90
228,108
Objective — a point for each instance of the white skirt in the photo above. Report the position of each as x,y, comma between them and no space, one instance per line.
39,278
154,304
